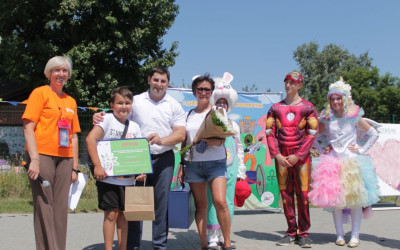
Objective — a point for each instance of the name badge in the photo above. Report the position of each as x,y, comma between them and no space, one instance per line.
63,129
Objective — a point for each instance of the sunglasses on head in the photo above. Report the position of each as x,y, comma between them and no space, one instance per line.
200,90
294,79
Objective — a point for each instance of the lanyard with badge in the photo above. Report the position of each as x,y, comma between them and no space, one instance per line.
64,128
63,131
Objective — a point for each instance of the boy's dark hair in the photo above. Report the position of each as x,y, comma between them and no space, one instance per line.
123,91
200,79
159,70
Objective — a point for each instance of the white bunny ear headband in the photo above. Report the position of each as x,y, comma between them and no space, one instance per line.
223,89
194,77
227,78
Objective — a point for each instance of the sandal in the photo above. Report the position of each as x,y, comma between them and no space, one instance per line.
233,246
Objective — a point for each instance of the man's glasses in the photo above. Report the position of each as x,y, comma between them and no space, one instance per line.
200,90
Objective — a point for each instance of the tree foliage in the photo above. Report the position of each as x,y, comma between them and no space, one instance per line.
378,95
111,42
320,68
250,88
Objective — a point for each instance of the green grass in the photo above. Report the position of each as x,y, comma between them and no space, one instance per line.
86,205
16,197
24,206
14,183
15,205
390,199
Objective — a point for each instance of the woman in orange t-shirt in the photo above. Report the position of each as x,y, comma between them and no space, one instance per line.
50,127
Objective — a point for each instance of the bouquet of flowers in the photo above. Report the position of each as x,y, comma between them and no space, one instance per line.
215,125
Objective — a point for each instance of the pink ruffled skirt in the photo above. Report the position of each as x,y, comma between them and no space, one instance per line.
344,183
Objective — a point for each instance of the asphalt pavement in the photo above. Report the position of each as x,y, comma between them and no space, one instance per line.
250,230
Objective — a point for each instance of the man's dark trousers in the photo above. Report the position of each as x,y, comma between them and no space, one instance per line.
163,170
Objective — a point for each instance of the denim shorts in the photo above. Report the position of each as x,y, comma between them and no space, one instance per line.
205,171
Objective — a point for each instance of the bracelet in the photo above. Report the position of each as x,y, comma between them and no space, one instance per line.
76,171
181,163
33,159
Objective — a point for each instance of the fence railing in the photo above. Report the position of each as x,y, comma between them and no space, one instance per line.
12,138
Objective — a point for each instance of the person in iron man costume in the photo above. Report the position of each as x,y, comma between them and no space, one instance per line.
291,129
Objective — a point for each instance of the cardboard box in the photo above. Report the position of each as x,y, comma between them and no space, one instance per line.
181,208
139,203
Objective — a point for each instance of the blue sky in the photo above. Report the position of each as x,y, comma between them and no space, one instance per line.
254,40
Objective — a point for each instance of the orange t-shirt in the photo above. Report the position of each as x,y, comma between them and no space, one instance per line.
45,107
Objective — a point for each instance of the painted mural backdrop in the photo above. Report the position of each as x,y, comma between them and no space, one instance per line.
250,113
385,157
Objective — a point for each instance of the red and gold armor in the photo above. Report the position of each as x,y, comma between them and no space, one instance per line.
291,130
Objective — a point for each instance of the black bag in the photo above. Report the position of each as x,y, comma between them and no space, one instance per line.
90,164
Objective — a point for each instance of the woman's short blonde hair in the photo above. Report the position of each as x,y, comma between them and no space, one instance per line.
58,61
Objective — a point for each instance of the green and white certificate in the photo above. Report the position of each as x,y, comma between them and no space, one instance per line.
125,156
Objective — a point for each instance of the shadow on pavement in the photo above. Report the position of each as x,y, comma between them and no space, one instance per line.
144,245
319,238
100,246
190,238
249,234
257,211
385,242
326,238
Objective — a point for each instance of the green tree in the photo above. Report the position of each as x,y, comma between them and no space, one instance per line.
251,88
111,42
363,84
320,68
183,85
378,95
389,94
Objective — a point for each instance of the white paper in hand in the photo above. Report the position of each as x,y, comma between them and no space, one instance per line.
75,191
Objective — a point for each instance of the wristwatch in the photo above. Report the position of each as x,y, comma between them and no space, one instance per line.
76,171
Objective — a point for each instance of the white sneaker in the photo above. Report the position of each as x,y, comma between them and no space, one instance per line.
213,245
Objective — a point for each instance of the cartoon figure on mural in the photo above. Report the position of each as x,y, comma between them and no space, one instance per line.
254,145
255,175
251,148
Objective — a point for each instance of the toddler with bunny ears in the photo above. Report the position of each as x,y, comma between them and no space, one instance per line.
225,96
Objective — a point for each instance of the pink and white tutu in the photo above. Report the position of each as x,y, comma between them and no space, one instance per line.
344,183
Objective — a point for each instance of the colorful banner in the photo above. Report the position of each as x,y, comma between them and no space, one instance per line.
385,157
95,109
250,113
125,156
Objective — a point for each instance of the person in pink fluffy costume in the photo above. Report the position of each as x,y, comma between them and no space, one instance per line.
344,179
